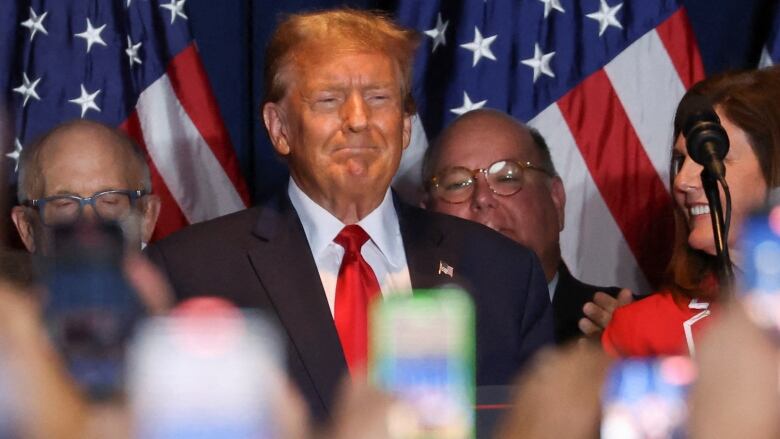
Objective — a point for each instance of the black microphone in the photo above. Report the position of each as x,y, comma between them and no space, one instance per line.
707,144
705,138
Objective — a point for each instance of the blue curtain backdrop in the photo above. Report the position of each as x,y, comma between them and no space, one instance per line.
232,35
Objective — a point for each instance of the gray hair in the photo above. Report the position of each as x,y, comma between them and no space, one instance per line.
544,150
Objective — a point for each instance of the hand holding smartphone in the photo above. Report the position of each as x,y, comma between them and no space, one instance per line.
646,398
207,371
90,309
759,284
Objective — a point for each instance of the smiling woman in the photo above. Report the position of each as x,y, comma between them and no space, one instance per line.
748,105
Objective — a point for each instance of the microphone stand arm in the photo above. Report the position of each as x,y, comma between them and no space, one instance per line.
725,270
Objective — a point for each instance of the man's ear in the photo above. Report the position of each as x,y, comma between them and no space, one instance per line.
407,129
276,124
24,226
558,194
150,215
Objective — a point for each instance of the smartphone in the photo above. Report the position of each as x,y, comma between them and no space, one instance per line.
646,398
207,371
759,285
422,351
90,309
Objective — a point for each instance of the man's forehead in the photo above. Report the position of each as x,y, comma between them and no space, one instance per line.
69,158
485,138
82,141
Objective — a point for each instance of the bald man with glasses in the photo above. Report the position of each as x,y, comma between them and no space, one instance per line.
83,170
490,168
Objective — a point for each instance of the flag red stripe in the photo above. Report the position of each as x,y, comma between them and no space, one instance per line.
171,217
680,42
190,84
622,171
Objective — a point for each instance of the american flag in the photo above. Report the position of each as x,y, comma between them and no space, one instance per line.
127,63
600,79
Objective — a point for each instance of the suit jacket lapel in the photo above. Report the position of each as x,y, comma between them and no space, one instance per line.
286,269
422,244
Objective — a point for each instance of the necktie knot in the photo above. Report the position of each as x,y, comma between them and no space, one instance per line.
352,238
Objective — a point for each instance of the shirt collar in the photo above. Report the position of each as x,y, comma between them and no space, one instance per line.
321,227
553,285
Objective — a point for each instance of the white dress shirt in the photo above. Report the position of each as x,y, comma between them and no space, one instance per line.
552,286
384,251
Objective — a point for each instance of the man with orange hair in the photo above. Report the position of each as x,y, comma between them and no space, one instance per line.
338,109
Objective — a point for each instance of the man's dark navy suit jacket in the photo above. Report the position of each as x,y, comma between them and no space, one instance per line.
260,258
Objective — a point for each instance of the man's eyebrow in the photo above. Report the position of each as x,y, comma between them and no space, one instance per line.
323,86
380,86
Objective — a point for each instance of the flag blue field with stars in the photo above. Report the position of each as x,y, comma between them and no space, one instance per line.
130,64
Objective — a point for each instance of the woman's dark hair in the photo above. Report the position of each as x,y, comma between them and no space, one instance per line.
751,101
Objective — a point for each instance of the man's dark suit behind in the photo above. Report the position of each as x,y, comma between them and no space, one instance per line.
260,258
570,296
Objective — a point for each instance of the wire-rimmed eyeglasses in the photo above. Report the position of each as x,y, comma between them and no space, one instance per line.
504,177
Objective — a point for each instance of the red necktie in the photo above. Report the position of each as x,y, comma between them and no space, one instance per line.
355,287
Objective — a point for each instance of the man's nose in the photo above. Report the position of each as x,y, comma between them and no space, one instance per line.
355,113
482,197
88,213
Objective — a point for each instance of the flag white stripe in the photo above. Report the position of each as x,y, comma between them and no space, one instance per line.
649,88
766,58
185,161
592,244
408,179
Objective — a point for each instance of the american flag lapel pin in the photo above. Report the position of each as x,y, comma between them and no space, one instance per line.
445,268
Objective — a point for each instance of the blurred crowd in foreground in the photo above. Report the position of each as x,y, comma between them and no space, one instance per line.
559,395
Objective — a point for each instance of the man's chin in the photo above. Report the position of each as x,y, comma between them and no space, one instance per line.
362,181
509,233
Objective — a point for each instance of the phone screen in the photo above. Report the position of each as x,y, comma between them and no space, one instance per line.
646,398
759,285
207,371
90,309
422,351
